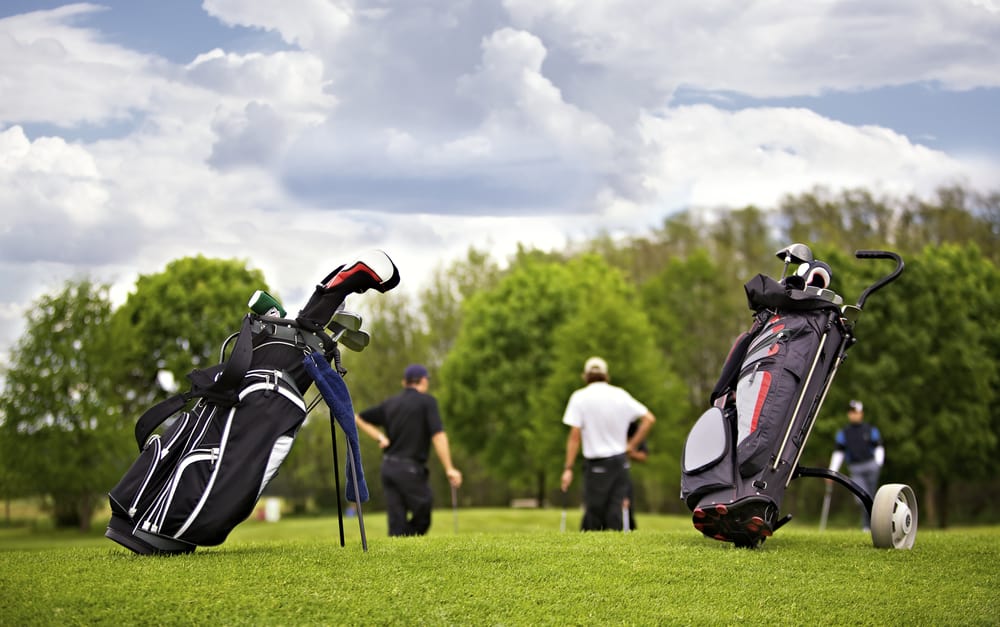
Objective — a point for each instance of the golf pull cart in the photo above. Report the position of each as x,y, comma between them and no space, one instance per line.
741,454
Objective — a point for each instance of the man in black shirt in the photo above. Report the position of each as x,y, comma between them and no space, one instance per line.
409,423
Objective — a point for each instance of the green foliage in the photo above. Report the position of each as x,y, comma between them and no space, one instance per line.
177,319
63,432
500,355
507,567
518,358
697,311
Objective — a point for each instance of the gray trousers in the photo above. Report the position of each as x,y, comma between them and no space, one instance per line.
866,475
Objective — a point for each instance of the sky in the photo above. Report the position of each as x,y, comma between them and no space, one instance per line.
296,135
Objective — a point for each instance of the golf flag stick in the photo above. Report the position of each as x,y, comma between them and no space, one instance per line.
336,478
562,521
357,501
454,507
826,507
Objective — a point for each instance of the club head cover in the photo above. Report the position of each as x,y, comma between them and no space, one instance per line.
815,273
371,270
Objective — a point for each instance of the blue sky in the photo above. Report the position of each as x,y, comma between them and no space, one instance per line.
136,132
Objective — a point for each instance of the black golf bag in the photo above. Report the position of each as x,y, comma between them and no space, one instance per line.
192,484
741,454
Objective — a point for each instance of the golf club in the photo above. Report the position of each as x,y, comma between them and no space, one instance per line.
357,341
454,507
347,319
562,521
826,507
794,253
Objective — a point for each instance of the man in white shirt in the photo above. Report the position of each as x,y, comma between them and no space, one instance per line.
599,415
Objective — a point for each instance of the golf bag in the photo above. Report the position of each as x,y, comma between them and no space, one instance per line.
741,454
194,483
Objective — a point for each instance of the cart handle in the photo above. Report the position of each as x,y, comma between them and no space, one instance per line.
889,278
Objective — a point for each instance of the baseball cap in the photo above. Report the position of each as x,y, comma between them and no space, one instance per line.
856,406
595,364
414,372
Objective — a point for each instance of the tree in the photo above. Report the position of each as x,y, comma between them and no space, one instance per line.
926,365
697,311
63,432
519,354
177,320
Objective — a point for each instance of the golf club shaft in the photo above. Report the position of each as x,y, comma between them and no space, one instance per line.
454,507
357,498
826,508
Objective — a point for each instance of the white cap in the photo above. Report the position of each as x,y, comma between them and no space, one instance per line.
856,406
595,364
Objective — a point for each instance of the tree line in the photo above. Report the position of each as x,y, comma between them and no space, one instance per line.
505,341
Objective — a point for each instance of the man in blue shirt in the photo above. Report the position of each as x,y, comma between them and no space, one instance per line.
860,445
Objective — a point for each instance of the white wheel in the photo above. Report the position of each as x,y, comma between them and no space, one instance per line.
894,517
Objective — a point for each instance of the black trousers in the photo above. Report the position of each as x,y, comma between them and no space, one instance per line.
408,497
606,484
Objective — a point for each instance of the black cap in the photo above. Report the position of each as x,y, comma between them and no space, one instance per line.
415,372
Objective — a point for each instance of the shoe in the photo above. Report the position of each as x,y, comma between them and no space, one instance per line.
371,270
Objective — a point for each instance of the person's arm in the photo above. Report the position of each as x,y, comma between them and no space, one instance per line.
836,460
440,441
572,448
879,451
645,424
373,431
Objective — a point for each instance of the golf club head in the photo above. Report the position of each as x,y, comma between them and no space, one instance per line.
347,319
357,341
795,253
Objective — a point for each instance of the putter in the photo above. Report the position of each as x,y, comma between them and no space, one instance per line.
625,520
826,507
562,521
454,507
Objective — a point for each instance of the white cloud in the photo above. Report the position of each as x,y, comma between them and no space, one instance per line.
57,73
425,127
755,156
307,23
775,48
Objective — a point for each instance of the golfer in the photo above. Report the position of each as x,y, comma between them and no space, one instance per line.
411,423
599,415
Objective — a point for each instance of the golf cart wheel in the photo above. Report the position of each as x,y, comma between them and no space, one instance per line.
894,517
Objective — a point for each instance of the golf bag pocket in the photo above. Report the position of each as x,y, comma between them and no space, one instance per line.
769,383
195,483
707,461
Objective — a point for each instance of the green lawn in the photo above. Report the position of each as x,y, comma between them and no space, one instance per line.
503,567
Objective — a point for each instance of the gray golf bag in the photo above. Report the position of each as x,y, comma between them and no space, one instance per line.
741,454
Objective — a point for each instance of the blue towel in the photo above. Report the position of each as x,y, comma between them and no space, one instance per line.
331,385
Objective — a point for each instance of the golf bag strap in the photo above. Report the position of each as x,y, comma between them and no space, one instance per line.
219,384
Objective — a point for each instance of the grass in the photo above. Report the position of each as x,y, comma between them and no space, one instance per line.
503,567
